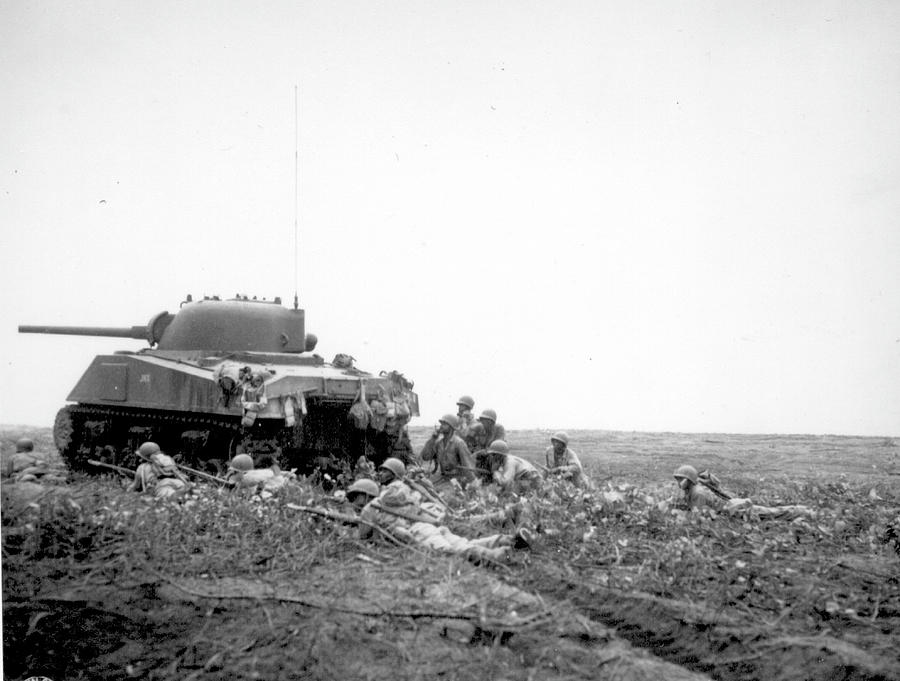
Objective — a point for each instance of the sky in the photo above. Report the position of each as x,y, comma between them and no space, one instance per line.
656,216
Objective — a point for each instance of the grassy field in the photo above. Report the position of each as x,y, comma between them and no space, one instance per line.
98,583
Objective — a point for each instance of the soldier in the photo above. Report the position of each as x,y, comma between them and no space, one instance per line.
253,398
488,431
482,458
158,474
563,461
693,494
700,490
464,413
400,500
264,481
239,465
450,454
391,473
361,493
512,473
24,458
401,512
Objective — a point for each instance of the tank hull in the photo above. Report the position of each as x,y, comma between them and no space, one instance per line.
182,401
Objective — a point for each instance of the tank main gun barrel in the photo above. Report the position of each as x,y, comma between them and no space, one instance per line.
138,332
151,331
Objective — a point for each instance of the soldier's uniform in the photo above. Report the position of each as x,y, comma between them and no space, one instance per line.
482,437
699,496
449,452
570,463
466,422
517,474
400,511
160,476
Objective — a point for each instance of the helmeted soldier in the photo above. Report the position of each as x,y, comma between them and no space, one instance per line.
451,455
395,495
511,472
695,495
362,492
265,480
24,457
392,470
158,474
562,460
239,465
404,514
701,490
489,431
253,397
465,405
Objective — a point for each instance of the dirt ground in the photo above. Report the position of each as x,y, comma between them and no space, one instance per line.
100,584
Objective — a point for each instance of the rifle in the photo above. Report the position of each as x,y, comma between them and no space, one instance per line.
118,469
404,515
206,476
325,513
711,482
348,519
424,491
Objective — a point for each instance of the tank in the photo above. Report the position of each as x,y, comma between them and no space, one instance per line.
223,377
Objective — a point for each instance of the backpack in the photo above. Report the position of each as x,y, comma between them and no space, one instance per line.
360,413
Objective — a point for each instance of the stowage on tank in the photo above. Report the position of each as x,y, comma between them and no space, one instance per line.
223,377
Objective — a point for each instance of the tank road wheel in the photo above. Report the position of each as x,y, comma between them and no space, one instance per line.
64,435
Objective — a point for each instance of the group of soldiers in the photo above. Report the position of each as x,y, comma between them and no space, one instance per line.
404,498
160,475
465,449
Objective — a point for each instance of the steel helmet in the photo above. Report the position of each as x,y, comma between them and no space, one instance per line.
395,466
241,462
498,447
148,449
466,401
24,444
489,414
364,486
560,436
688,472
451,420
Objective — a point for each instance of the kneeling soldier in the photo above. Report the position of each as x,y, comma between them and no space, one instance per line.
512,473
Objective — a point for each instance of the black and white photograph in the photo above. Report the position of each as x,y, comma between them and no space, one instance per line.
450,340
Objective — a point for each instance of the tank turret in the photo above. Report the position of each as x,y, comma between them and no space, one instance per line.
222,376
211,325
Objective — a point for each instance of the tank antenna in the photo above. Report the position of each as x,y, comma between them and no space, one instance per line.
296,194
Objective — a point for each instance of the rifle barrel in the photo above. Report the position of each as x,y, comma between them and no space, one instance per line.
118,469
205,476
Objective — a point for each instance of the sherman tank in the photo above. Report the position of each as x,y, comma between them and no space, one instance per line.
223,377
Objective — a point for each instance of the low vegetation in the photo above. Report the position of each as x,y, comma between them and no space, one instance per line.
101,583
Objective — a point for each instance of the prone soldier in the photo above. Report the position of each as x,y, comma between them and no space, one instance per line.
158,474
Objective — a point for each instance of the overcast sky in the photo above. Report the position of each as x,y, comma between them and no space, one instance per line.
678,216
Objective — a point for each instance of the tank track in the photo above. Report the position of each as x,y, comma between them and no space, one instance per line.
207,441
112,435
